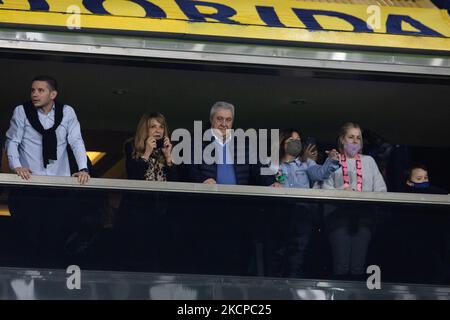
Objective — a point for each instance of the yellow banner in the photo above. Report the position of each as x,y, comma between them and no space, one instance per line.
287,20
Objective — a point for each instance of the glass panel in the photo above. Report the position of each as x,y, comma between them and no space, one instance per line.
52,284
238,235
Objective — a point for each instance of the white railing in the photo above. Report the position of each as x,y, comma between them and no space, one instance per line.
182,187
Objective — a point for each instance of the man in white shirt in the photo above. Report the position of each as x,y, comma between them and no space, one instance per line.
37,144
36,141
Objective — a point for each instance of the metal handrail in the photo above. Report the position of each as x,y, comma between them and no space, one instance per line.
137,47
237,190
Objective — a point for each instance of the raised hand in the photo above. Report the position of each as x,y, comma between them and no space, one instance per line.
333,154
167,150
150,145
310,153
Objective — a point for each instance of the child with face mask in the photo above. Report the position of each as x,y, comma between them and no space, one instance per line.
418,181
350,228
300,172
297,169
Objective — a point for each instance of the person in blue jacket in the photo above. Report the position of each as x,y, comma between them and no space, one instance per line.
297,169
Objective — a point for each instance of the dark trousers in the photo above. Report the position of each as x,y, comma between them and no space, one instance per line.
289,234
43,220
350,230
423,248
214,237
142,233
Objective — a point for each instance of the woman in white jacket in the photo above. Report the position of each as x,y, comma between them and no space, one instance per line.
350,228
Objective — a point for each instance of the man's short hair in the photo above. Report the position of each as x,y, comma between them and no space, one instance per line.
50,81
221,105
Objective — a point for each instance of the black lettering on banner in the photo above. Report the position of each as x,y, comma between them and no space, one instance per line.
307,17
223,14
38,5
269,16
151,10
394,26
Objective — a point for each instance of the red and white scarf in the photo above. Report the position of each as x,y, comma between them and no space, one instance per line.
359,177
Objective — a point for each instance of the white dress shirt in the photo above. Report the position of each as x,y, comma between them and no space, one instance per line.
24,143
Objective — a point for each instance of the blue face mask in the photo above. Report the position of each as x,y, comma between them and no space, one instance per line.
421,185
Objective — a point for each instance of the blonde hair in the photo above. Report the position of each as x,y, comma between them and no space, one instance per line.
343,131
141,135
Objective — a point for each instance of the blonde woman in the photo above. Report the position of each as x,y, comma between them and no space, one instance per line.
350,227
148,153
142,217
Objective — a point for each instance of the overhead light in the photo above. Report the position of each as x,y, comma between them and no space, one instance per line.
4,211
95,156
120,92
299,102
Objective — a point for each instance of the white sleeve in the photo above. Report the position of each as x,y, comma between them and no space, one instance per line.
75,139
378,182
329,183
14,137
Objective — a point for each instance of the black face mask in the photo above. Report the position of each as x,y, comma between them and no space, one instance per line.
294,148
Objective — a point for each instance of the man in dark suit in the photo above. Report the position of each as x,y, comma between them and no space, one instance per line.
228,169
224,226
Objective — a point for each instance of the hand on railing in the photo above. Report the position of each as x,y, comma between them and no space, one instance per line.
83,177
24,173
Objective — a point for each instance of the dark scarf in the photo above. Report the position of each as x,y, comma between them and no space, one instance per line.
49,141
